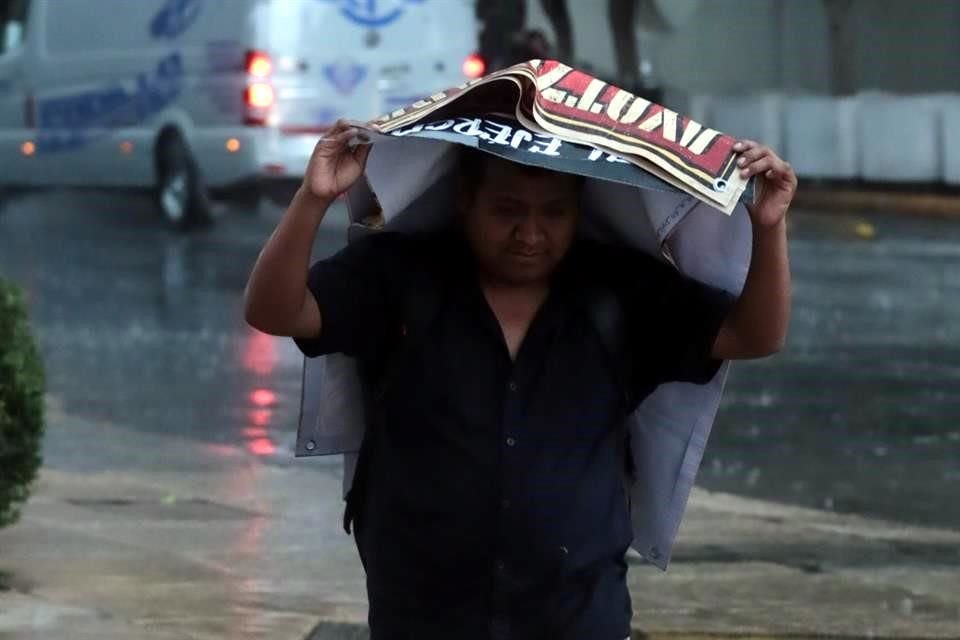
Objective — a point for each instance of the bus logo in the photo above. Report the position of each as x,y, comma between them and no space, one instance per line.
373,13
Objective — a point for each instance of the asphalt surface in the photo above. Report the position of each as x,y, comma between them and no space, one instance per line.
143,327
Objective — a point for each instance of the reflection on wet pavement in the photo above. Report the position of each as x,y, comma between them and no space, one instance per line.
860,412
143,327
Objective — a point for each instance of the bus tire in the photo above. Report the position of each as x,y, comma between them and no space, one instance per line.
181,194
7,195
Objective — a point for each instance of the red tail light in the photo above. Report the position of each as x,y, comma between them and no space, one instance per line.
474,66
259,64
260,95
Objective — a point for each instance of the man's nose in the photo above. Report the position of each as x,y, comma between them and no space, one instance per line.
529,231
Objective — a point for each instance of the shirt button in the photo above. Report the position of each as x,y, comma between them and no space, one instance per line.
511,442
501,566
513,386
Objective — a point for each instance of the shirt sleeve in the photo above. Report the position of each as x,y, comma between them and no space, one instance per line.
673,321
356,292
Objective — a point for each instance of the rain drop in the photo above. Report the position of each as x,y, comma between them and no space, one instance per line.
906,606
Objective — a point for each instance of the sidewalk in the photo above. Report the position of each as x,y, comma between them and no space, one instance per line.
209,542
922,201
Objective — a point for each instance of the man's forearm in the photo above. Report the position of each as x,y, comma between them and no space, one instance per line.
278,282
761,315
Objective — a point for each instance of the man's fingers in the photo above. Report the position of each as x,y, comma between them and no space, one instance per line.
348,134
336,142
770,167
753,154
764,164
755,167
340,125
743,145
337,134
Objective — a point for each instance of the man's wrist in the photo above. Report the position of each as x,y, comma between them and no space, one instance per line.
768,230
312,201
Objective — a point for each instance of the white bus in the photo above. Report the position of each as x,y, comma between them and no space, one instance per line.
190,97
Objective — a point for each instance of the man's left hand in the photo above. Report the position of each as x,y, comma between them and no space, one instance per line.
775,185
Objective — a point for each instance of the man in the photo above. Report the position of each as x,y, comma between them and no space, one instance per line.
622,18
503,23
503,40
495,506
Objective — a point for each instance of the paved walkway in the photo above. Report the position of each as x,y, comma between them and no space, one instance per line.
910,200
209,542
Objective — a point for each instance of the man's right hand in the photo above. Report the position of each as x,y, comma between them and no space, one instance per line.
277,300
334,166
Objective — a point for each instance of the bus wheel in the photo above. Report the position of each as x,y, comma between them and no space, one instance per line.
181,194
7,194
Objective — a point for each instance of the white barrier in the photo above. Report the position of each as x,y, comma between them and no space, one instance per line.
950,137
899,138
873,136
820,138
755,117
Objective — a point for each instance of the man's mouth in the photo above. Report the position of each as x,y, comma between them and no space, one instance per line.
527,254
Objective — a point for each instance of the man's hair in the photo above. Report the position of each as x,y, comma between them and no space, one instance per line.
473,168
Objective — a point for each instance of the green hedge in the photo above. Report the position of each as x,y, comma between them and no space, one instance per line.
21,404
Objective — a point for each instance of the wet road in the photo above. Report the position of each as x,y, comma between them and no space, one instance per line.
143,327
861,412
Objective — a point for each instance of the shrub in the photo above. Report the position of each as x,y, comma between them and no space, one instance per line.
21,404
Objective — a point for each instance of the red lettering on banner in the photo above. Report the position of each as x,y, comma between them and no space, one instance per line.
577,97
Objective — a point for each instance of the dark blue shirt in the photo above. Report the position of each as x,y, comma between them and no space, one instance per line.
497,504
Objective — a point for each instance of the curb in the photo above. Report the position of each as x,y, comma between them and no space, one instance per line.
339,631
922,203
355,631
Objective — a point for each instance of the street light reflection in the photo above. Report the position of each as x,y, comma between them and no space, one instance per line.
260,358
260,353
263,397
260,417
255,432
262,447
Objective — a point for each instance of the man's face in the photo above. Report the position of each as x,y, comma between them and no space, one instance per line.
520,223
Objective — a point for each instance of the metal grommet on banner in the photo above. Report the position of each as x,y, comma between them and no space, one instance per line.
719,185
311,445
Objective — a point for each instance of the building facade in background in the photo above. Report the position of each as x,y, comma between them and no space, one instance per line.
737,46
